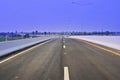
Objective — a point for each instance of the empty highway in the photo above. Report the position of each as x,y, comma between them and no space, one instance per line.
62,59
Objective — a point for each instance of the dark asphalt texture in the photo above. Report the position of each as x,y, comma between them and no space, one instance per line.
47,62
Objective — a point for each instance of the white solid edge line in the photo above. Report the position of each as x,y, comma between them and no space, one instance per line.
9,58
66,73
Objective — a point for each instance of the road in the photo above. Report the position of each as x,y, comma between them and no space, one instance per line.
62,59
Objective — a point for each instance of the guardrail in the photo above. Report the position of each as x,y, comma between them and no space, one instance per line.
12,46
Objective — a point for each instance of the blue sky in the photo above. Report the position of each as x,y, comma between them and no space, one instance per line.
59,15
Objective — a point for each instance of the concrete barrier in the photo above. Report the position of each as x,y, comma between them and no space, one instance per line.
12,46
109,41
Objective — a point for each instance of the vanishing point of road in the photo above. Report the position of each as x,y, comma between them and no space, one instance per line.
62,59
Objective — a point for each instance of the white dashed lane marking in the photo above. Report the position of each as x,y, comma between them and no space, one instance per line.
66,73
64,46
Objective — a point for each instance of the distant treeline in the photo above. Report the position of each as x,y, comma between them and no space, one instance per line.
95,33
37,33
6,36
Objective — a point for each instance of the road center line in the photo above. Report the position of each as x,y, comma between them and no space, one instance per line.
66,73
63,41
9,58
64,46
65,53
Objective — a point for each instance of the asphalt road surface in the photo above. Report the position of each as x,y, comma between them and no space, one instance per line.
62,59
